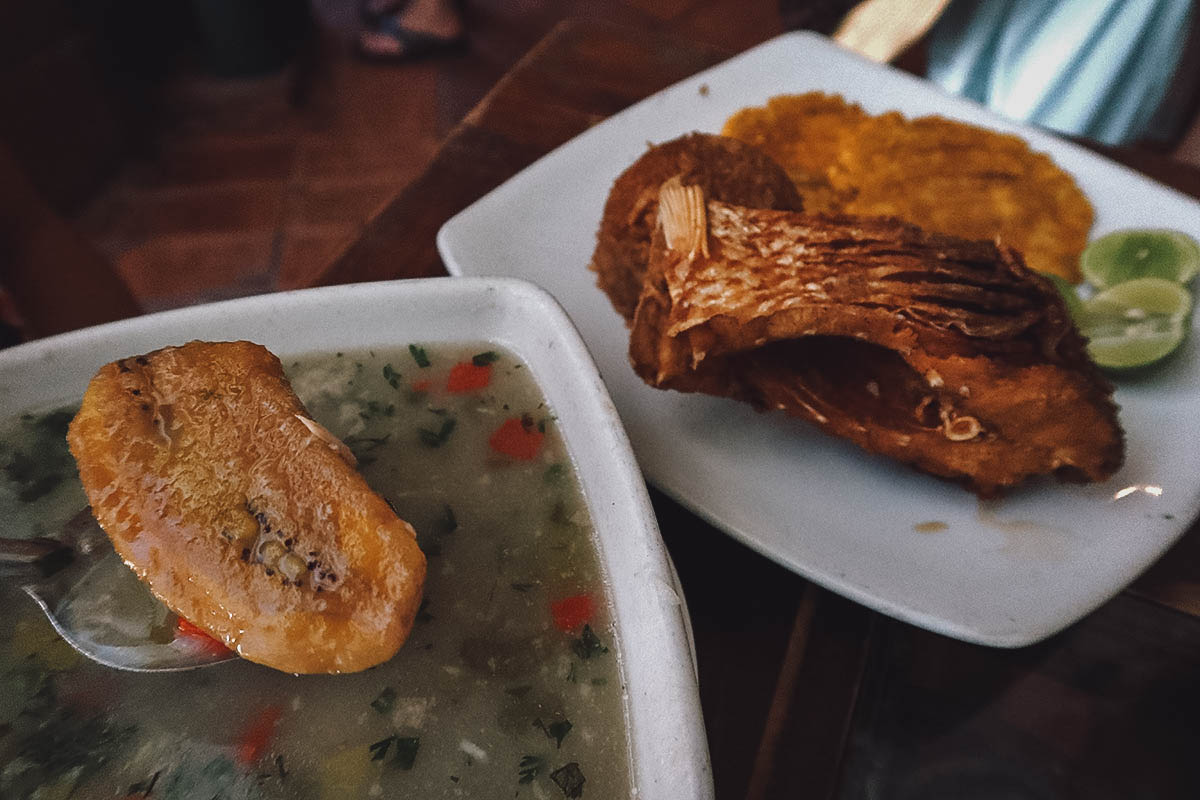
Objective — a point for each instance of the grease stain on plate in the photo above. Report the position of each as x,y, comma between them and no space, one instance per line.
1025,538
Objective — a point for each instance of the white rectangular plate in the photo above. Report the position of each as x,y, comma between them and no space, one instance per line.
1005,573
666,729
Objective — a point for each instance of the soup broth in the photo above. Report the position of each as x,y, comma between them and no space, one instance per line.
509,685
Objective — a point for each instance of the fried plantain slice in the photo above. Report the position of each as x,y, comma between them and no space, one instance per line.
941,174
241,513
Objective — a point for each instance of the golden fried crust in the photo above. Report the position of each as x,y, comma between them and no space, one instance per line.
241,518
806,135
725,168
941,174
943,353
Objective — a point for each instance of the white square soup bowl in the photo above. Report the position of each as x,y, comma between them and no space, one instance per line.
668,751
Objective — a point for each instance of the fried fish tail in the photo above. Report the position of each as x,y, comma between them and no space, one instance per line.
725,168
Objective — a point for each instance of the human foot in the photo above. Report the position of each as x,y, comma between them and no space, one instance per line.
418,28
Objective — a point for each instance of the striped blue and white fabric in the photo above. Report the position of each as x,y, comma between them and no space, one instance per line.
1093,68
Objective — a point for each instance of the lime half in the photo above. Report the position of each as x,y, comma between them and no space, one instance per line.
1131,254
1135,323
1069,295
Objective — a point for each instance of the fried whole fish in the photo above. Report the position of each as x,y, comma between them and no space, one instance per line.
243,515
947,354
726,168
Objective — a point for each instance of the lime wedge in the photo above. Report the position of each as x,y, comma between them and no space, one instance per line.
1135,323
1131,254
1069,295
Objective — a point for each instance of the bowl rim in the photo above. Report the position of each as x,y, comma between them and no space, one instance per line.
668,747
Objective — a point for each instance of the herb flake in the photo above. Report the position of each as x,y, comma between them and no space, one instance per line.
406,751
391,376
386,701
485,358
379,750
570,780
588,645
403,748
364,447
556,730
529,768
376,409
440,436
419,355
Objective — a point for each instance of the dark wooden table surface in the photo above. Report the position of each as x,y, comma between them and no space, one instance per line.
806,694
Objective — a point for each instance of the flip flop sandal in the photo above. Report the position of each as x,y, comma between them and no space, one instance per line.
373,19
413,44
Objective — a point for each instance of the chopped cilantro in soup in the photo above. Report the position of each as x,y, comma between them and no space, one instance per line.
508,686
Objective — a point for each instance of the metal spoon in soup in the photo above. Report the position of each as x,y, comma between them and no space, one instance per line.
100,607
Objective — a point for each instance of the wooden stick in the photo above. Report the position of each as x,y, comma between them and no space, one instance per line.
785,691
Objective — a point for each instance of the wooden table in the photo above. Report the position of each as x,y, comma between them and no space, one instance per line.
806,694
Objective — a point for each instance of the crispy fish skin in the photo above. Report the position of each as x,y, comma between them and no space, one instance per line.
724,167
947,354
943,175
241,515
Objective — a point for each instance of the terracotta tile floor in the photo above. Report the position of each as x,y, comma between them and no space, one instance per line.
246,192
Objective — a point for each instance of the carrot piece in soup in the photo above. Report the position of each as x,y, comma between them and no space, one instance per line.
572,613
256,738
468,377
517,438
197,635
